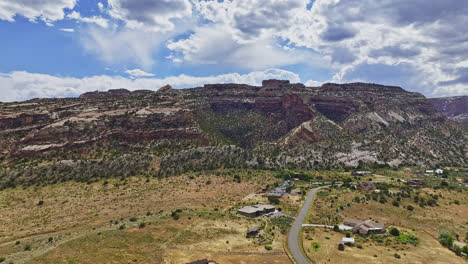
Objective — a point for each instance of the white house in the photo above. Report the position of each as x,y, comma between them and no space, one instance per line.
439,171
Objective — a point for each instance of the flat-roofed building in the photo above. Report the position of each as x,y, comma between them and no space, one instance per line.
256,210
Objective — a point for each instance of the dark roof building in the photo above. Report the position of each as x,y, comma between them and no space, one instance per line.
366,186
365,227
416,183
256,210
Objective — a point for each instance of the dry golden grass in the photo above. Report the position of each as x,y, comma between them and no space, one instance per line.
424,222
73,214
428,251
447,215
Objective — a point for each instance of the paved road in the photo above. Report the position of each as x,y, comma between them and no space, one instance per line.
296,228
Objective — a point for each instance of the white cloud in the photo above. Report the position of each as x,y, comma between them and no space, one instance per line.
312,83
156,16
48,11
67,29
100,6
422,35
102,22
250,20
124,47
213,44
21,85
138,73
428,36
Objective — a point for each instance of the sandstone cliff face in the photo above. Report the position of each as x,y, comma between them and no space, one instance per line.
454,108
276,125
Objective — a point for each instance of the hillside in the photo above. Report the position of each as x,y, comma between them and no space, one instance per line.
454,108
277,125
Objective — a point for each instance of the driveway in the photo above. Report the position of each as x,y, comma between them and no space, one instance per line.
296,228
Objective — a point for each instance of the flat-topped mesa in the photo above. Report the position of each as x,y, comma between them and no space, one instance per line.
114,93
224,86
274,83
362,87
109,93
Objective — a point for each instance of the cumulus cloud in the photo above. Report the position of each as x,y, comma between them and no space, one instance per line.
213,44
157,15
48,11
102,22
122,47
250,20
350,38
138,73
21,85
424,37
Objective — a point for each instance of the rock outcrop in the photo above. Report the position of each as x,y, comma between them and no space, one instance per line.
454,108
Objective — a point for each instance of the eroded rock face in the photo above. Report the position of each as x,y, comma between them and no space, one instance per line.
454,108
10,120
300,125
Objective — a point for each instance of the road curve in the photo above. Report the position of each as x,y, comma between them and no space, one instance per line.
296,228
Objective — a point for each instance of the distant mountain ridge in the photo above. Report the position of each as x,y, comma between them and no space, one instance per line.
454,108
274,126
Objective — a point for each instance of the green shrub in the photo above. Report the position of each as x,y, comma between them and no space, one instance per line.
396,255
410,207
27,248
40,203
268,247
457,249
121,227
315,246
50,239
408,239
446,239
175,215
465,249
2,259
142,225
395,203
394,231
336,228
133,219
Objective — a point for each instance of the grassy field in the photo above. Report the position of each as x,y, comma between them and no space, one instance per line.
192,216
428,251
442,209
102,222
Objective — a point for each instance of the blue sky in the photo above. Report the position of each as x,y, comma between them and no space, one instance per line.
58,48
